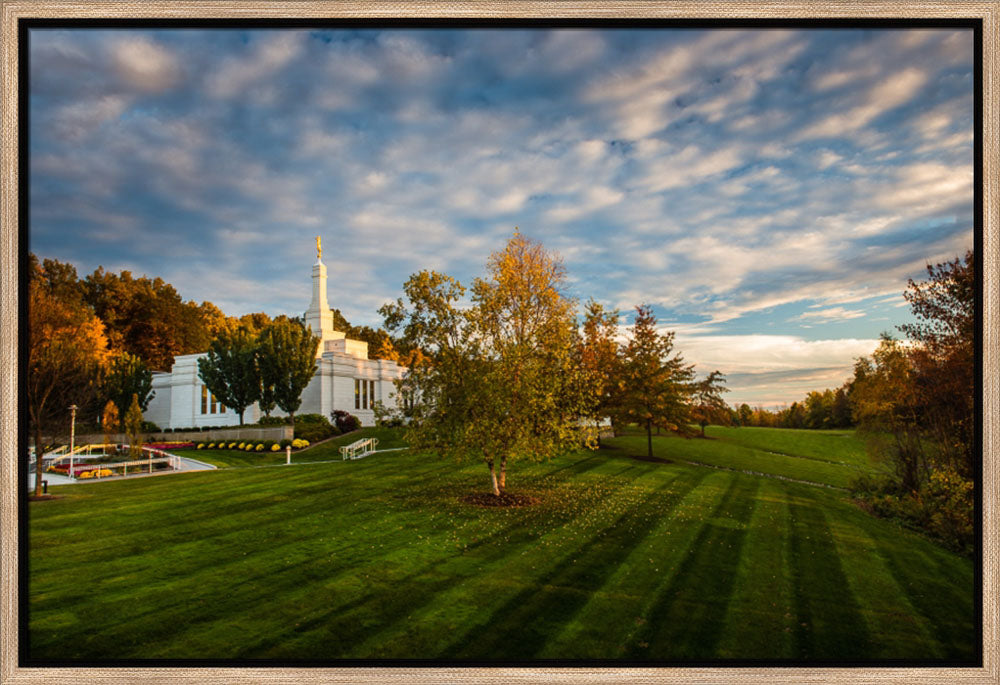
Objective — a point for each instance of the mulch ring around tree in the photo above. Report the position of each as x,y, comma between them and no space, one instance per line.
646,457
504,499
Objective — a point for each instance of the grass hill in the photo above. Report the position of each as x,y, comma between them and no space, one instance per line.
380,558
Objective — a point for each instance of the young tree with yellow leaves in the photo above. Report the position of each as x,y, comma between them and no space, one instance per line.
501,381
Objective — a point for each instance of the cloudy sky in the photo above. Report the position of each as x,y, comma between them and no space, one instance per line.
768,192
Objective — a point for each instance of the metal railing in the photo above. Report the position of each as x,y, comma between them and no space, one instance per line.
359,448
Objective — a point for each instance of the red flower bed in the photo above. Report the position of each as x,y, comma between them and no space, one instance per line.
169,445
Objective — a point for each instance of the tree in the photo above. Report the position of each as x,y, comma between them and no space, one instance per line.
66,354
599,358
656,385
146,317
133,428
128,375
884,404
746,414
500,381
229,370
944,358
110,421
708,405
286,360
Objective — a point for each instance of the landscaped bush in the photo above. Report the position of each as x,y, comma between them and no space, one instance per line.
201,446
275,447
344,421
284,443
299,443
149,427
273,421
314,427
232,445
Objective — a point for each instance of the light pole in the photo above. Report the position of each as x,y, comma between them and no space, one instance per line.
72,436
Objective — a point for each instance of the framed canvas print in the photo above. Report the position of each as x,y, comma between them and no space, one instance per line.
482,343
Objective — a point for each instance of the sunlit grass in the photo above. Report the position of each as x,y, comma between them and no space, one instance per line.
380,558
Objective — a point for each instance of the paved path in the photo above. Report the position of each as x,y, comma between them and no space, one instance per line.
54,479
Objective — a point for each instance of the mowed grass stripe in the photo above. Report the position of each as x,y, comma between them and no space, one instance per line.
378,622
611,616
886,607
842,446
381,558
761,617
829,621
687,617
548,602
736,457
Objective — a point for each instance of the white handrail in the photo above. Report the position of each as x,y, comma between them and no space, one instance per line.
359,448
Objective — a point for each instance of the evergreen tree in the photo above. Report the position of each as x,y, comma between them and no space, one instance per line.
656,384
133,428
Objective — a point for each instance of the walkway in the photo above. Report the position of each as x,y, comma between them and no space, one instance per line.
54,479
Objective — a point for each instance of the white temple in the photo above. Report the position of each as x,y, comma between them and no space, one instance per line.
345,378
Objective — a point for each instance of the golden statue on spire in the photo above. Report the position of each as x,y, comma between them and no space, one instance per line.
319,248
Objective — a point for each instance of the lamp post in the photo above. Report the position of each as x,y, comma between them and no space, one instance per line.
72,436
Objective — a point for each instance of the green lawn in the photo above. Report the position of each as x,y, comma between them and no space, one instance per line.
827,457
379,558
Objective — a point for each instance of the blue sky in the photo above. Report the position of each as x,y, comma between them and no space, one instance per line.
769,192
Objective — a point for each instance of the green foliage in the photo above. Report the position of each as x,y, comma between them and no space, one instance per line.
286,362
500,381
273,421
656,384
230,371
128,375
133,428
708,405
314,427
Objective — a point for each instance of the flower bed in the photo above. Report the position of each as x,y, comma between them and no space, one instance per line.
169,445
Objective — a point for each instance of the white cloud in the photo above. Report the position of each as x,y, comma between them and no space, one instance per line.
146,66
272,53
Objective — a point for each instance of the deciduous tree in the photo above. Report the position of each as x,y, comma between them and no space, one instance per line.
67,352
229,370
286,360
110,421
128,375
708,405
133,428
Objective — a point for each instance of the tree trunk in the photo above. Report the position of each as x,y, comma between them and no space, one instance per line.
38,460
702,430
503,473
649,436
493,477
241,415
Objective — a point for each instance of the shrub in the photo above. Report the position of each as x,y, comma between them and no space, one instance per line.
260,447
344,421
86,474
242,445
313,427
299,443
285,443
248,447
201,446
149,427
273,421
232,445
275,447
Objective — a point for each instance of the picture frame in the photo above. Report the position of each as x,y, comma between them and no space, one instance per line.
12,210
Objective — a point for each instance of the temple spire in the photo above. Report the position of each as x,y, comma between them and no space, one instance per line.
319,248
